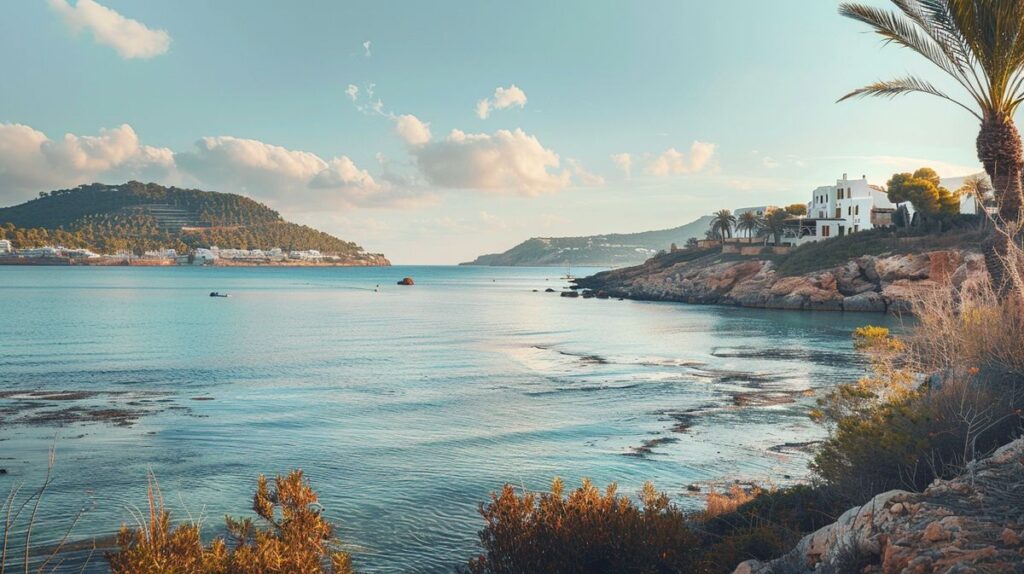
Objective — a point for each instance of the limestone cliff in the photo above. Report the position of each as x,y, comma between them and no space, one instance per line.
974,523
868,283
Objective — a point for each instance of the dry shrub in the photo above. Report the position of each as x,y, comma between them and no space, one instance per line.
584,531
719,503
948,392
296,538
18,516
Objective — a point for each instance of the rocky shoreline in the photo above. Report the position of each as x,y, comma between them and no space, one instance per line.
973,523
881,284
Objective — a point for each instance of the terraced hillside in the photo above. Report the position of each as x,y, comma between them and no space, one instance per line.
144,216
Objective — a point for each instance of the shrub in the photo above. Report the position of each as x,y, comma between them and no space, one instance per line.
719,503
948,392
837,251
765,527
296,538
586,531
18,517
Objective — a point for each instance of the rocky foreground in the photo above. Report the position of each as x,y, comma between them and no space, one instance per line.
974,523
868,283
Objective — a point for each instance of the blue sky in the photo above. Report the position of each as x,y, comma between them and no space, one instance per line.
139,84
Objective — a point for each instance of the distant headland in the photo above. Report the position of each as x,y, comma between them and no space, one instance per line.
152,225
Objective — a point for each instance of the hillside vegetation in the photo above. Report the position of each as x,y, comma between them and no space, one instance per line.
611,250
144,216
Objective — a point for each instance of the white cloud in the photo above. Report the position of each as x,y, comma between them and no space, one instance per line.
131,38
582,175
366,48
274,173
353,92
625,163
30,161
412,131
769,162
483,108
506,161
503,98
675,162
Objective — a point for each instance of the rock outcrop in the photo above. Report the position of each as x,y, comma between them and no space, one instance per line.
868,283
974,523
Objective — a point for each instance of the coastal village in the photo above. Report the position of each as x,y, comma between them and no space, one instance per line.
60,255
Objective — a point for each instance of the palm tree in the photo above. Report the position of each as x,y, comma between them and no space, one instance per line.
749,222
773,224
722,223
980,189
980,44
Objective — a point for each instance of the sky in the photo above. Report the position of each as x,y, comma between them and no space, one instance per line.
437,131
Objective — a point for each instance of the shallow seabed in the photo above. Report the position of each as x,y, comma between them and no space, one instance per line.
404,407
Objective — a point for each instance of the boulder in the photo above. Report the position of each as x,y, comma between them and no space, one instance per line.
970,272
867,267
899,295
549,290
407,281
958,525
867,301
942,264
913,266
851,281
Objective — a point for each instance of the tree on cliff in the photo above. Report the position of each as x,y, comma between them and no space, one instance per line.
922,188
980,44
722,224
748,222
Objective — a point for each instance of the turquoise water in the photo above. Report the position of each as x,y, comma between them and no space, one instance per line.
405,407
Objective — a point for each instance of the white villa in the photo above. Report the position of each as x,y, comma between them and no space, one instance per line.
5,246
849,206
760,210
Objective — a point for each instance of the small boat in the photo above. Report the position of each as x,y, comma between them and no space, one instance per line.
218,294
568,273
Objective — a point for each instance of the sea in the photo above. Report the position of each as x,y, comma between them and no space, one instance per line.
405,406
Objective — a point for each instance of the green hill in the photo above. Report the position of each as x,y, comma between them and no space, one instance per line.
612,250
145,216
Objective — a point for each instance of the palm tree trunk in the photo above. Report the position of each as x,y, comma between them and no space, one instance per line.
999,149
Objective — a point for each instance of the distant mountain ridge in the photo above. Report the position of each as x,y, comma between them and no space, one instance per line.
610,250
146,216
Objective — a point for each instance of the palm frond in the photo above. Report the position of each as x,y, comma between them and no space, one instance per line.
901,86
910,30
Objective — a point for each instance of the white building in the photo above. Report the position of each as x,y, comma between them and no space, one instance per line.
760,210
970,205
5,247
37,252
161,254
203,256
849,206
308,255
80,253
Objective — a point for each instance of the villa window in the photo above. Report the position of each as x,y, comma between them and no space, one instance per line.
825,231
